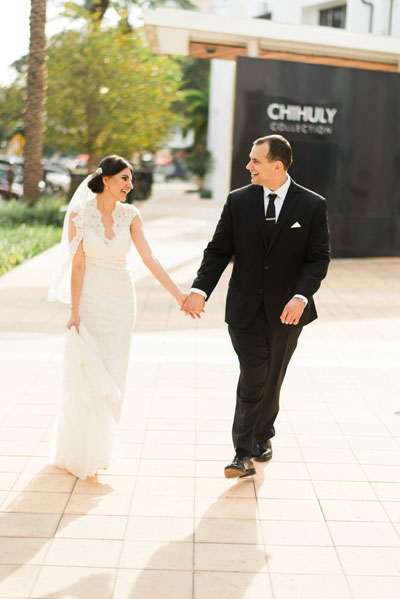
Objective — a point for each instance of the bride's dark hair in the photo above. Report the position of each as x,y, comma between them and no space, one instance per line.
110,165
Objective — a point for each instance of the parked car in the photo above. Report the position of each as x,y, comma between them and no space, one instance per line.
11,178
56,178
16,190
15,161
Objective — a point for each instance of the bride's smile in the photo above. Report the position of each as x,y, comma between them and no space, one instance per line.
116,188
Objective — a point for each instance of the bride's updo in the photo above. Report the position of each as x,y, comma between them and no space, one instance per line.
108,166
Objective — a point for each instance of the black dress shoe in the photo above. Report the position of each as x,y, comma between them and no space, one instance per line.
240,467
265,451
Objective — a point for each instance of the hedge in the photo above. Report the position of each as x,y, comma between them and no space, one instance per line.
21,242
28,230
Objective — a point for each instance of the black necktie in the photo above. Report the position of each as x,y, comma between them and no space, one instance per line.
270,216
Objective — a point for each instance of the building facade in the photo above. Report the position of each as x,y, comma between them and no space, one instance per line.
380,17
332,91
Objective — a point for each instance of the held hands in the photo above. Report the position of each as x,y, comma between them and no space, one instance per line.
181,298
194,305
292,311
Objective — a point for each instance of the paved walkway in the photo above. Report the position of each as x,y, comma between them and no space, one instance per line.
321,520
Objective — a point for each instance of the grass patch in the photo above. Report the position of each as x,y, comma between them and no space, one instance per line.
28,230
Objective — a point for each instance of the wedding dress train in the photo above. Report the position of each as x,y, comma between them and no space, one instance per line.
96,359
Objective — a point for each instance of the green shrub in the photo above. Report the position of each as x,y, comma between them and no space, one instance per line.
13,212
20,242
200,162
48,211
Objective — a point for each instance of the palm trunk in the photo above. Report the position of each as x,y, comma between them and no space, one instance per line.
35,102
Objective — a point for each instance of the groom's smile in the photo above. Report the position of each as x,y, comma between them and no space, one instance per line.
262,170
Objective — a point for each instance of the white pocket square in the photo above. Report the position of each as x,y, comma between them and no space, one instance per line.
295,226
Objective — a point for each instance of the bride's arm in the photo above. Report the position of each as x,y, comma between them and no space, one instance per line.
77,272
154,266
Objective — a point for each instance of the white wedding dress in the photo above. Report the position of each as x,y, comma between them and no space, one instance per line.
96,359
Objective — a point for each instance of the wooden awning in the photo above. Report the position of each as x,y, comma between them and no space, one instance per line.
205,35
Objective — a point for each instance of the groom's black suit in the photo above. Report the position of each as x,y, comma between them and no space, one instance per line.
268,271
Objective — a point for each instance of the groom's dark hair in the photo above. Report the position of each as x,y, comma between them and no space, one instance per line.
278,149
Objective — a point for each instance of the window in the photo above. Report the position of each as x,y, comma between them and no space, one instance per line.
333,17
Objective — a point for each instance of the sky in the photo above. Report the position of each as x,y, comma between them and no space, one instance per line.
14,32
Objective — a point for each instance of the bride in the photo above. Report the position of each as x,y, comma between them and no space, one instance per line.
94,278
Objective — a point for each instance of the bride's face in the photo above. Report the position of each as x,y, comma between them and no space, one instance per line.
119,185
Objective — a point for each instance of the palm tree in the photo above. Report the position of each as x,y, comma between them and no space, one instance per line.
35,101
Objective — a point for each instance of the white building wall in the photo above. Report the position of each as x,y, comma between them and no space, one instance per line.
238,8
286,11
382,10
358,17
307,12
220,126
396,19
358,14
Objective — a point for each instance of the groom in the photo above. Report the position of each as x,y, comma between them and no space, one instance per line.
277,232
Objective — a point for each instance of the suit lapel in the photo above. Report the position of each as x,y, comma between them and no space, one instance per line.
288,205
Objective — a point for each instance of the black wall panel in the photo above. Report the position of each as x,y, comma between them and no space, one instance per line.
353,161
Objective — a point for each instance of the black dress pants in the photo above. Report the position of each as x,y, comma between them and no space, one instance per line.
264,356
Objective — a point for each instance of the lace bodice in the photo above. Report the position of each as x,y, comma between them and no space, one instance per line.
98,248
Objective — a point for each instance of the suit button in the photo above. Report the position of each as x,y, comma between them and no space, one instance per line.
266,267
260,291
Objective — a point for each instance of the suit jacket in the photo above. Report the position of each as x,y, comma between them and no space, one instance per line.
293,260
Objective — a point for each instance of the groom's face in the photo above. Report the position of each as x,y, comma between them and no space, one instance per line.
262,171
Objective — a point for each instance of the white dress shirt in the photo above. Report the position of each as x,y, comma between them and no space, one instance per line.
280,198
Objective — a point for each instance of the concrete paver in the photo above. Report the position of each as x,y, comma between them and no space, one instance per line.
321,519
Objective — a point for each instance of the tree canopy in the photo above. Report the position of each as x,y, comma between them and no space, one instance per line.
12,109
98,8
107,93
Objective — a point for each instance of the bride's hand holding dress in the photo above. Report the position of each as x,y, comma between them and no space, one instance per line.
74,321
